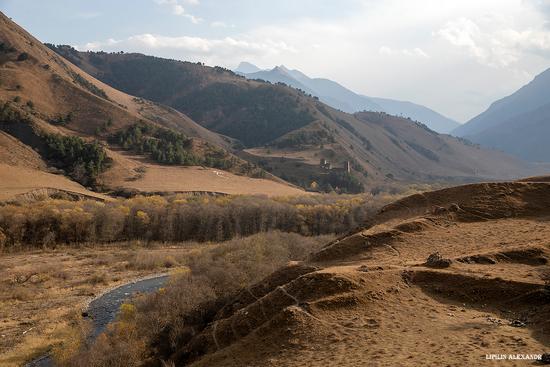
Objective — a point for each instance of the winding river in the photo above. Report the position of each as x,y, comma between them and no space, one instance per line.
103,309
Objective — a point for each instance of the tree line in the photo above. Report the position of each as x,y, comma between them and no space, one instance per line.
169,147
83,161
179,218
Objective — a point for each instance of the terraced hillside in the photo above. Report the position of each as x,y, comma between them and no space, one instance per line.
442,278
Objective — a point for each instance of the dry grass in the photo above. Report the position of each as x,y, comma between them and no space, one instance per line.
145,260
189,300
41,292
158,178
15,181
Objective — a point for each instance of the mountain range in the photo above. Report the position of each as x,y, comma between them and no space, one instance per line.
288,131
96,123
342,98
518,124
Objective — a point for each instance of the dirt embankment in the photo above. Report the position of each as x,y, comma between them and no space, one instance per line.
372,298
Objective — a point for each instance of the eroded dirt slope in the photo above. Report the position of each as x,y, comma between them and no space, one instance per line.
371,298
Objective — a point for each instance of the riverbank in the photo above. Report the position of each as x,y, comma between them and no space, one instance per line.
43,293
103,309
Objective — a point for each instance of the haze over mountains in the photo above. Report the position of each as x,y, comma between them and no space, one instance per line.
518,124
337,96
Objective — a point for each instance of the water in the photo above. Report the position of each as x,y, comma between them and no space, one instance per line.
103,310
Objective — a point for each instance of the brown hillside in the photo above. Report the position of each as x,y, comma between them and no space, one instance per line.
56,87
372,298
20,183
56,97
15,153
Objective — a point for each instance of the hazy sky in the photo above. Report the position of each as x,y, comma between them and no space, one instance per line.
454,56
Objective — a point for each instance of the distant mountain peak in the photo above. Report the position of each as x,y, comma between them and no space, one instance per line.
338,96
516,124
247,68
281,70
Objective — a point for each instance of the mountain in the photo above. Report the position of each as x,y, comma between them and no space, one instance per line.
247,68
432,119
517,124
70,132
337,96
329,92
288,132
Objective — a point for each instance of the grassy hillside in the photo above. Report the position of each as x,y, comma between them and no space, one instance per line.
253,112
77,124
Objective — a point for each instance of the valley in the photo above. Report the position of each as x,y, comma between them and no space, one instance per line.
377,144
469,264
160,210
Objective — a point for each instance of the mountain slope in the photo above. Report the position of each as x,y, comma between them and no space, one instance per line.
431,118
287,132
329,92
517,124
337,96
61,120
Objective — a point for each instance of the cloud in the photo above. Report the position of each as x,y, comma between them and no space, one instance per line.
219,24
492,46
178,9
212,51
494,43
416,52
543,6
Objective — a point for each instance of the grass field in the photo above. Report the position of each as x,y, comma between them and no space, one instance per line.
15,181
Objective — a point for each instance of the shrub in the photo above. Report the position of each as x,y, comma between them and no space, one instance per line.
92,88
62,120
6,48
9,114
146,260
23,56
3,240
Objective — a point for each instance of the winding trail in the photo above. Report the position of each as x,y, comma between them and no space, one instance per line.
103,309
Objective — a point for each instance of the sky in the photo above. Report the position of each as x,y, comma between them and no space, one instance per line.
456,57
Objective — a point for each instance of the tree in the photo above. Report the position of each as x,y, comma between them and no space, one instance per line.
23,56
